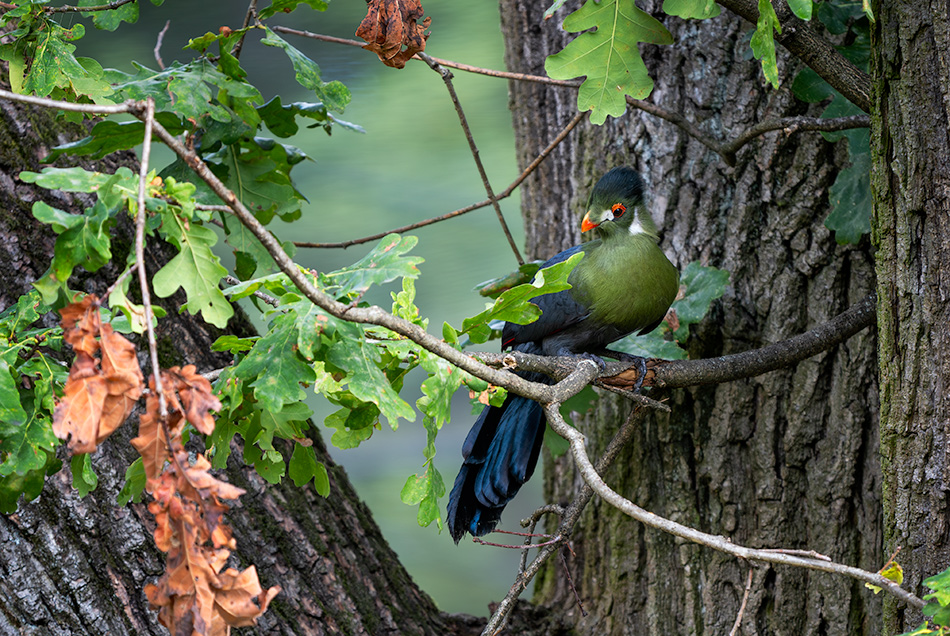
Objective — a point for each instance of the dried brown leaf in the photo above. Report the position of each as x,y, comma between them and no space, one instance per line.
78,413
389,26
235,597
196,397
80,323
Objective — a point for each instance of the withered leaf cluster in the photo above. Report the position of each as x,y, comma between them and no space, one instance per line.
196,595
101,389
390,25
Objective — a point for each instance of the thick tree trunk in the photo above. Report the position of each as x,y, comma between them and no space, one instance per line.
911,185
78,566
785,460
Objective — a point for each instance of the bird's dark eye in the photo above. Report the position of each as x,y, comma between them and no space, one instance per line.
618,209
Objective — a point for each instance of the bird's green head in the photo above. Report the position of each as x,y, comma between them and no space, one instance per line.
616,205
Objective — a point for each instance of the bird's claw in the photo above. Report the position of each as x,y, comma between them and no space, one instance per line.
601,365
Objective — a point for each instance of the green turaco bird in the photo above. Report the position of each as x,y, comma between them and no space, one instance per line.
624,284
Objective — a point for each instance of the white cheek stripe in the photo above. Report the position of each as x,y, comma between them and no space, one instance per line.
636,228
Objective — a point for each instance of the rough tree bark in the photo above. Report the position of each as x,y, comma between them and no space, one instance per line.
77,566
910,66
785,460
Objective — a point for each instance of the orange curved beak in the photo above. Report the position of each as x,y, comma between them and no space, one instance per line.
587,224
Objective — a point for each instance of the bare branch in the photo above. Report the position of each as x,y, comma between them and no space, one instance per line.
804,42
250,15
447,78
569,518
726,150
100,7
723,544
94,109
374,315
270,300
149,118
157,51
745,600
475,206
789,125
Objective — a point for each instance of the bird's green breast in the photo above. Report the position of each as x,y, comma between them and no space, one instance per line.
626,281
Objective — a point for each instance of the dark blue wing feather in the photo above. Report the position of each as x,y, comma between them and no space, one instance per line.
558,311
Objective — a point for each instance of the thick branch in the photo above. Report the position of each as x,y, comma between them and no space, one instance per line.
682,373
803,41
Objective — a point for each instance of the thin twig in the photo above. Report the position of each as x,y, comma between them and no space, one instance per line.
447,78
570,581
723,544
251,14
158,45
101,7
94,109
568,519
270,300
726,150
149,119
561,136
118,281
745,599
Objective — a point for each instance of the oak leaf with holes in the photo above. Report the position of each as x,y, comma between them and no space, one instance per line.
390,25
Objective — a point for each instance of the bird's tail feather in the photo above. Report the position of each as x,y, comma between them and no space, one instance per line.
499,456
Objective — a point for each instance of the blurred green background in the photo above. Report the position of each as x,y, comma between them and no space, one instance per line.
413,163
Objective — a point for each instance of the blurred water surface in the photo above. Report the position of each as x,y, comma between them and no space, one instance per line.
413,163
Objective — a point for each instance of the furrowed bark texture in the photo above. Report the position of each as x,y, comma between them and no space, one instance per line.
910,139
785,460
78,566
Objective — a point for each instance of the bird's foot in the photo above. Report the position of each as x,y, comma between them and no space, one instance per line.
601,365
635,362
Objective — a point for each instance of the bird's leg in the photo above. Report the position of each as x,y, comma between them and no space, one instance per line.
636,362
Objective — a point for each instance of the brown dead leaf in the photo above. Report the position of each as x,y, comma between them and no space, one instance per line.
235,597
389,26
80,323
672,320
100,393
151,443
196,397
78,413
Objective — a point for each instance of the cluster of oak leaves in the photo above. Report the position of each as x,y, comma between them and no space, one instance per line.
194,595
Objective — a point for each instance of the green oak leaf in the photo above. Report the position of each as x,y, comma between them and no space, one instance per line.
763,42
365,380
13,485
608,56
259,182
802,8
110,20
195,269
109,136
275,366
940,584
353,425
386,262
334,94
11,411
425,490
693,9
514,305
85,479
850,194
286,6
304,466
703,286
134,483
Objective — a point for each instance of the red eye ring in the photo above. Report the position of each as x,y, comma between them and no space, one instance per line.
618,209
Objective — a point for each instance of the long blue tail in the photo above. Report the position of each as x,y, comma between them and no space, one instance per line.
498,457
